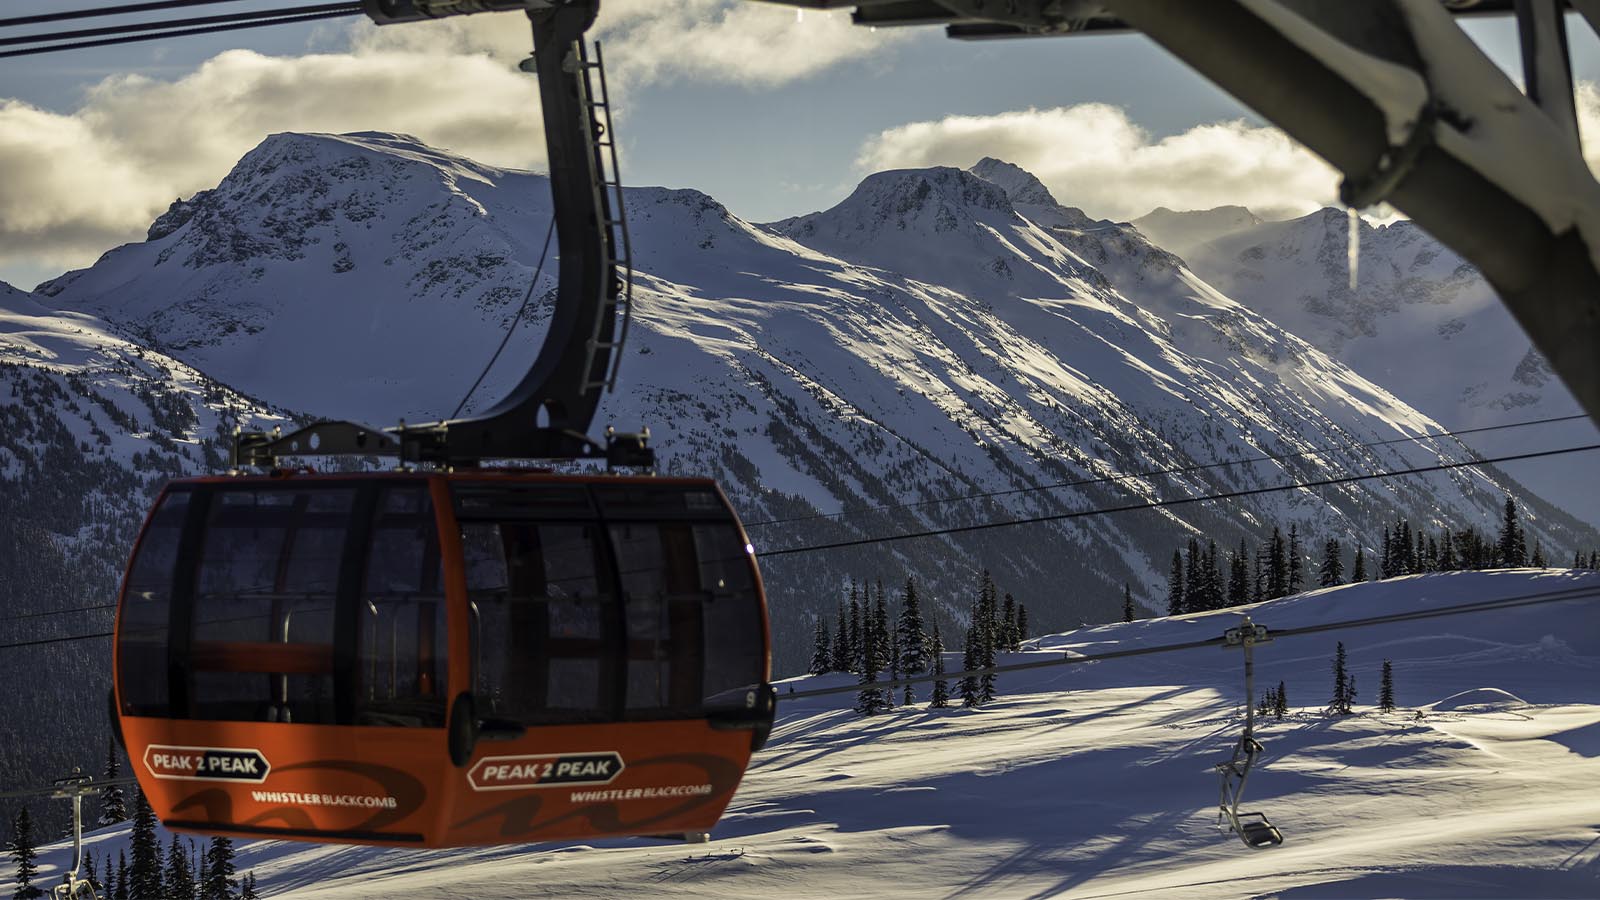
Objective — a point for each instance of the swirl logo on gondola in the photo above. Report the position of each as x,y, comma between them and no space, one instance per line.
514,773
207,763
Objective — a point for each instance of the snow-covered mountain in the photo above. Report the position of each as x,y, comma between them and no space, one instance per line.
91,425
1183,231
940,332
1421,322
1095,780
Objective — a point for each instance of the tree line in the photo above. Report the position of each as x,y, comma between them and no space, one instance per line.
861,641
1277,567
183,870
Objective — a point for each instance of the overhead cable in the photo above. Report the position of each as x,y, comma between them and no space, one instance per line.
1179,501
1156,473
168,24
180,32
104,11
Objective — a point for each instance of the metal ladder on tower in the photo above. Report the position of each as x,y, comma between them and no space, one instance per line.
617,240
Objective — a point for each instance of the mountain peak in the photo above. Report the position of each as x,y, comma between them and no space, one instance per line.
1022,186
1182,231
940,199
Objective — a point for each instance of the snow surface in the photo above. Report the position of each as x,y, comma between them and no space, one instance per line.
1095,780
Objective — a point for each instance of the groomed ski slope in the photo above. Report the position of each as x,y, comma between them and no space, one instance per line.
1095,780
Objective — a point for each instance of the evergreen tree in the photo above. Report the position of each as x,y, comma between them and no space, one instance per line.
913,638
1332,572
841,642
881,629
1343,686
91,873
882,640
113,805
1512,549
1265,704
1538,560
144,873
1238,577
968,688
1358,571
1192,601
24,852
1212,571
247,886
893,657
856,637
1007,639
1386,562
987,616
869,699
1281,706
941,688
1404,553
1175,586
1258,586
1277,566
1296,563
1127,602
122,877
821,649
1022,624
179,881
1386,688
1447,553
219,869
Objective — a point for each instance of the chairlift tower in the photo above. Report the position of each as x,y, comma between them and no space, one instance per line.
1252,827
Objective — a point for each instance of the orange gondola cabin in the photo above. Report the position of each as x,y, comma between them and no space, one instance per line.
442,660
449,654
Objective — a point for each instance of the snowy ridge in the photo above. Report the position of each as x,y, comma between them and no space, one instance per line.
1182,232
930,336
1095,780
1421,321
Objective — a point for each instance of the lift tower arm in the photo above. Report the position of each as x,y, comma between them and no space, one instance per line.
548,413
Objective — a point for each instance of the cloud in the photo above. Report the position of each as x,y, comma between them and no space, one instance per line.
77,183
1093,156
720,41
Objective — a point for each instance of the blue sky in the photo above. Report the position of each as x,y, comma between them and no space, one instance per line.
767,146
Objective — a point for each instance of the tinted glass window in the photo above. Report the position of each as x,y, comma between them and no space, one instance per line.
544,621
265,591
694,622
401,633
147,603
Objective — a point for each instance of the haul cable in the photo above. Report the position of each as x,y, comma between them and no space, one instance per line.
1088,513
1179,501
1157,473
130,28
105,11
181,32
